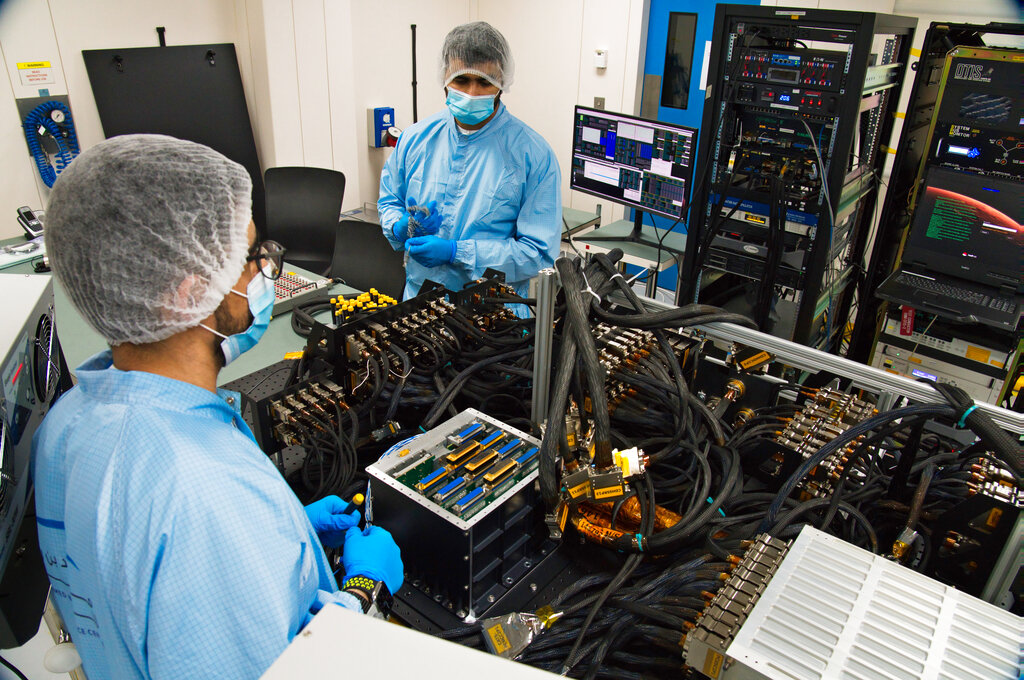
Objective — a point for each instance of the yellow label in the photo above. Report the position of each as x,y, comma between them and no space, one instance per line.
547,615
914,52
993,517
914,360
33,64
899,114
579,490
713,664
978,354
758,358
609,492
997,363
564,516
498,639
570,438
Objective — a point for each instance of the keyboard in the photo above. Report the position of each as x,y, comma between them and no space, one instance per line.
998,303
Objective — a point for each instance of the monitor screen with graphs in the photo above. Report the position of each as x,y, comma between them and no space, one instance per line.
969,226
644,164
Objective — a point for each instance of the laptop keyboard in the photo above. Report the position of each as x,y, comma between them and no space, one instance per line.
998,303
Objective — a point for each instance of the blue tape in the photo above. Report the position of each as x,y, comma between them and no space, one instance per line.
640,542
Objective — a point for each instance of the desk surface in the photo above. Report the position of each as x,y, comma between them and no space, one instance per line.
79,341
642,254
578,222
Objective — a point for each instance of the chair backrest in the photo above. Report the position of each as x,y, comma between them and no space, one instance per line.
364,259
303,208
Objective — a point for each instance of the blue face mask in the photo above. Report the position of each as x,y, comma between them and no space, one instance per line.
468,109
260,293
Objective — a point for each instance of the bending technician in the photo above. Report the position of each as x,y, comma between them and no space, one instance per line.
174,547
490,183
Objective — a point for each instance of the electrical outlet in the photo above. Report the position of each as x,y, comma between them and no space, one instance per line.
599,103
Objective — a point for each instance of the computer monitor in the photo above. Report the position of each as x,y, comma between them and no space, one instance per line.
969,226
643,164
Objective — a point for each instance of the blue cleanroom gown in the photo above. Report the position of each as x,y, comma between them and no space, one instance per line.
498,191
174,547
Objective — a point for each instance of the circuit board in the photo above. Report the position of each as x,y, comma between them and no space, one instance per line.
461,467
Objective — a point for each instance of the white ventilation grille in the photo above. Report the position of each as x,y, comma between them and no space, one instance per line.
832,610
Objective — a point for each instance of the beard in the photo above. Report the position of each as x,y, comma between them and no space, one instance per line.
228,324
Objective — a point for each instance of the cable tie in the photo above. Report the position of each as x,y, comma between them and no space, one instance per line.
619,274
590,290
962,423
719,509
638,275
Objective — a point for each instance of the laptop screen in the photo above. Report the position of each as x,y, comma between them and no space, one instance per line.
969,226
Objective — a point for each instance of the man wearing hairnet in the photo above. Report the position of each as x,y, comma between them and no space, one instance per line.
174,547
472,187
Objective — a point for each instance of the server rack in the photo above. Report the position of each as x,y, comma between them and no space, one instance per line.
940,38
993,372
794,137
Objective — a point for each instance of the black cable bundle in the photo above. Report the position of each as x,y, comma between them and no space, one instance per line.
662,416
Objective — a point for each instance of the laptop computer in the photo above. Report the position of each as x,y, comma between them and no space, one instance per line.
964,255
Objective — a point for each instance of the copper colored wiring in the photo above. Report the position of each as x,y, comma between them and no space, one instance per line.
629,514
593,532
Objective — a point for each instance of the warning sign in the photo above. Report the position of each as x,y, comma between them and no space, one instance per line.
35,73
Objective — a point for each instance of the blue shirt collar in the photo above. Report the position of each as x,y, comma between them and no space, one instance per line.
100,379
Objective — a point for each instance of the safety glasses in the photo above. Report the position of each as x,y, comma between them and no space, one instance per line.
270,256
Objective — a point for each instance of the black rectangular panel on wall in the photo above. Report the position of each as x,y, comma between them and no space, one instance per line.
192,92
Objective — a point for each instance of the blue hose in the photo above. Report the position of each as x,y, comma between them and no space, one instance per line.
63,134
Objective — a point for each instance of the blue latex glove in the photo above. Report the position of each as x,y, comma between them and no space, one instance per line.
424,224
373,553
431,251
330,521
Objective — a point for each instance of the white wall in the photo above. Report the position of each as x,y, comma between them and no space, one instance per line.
553,44
57,31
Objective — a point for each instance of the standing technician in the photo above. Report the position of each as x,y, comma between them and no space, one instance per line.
174,547
492,184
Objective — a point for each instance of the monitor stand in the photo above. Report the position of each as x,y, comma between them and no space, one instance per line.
636,236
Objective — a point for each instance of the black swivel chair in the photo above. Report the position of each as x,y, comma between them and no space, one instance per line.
364,259
303,207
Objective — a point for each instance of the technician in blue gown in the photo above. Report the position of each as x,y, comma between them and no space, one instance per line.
492,183
174,547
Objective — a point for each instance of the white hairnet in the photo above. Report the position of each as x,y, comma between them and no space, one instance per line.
147,234
480,49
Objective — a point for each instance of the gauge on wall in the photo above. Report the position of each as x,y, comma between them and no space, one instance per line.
45,369
7,481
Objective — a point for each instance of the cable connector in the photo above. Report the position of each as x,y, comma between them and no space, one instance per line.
903,542
389,429
631,461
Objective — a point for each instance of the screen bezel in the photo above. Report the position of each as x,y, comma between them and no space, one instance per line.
631,204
